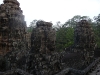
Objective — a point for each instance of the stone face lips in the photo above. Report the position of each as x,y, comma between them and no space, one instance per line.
12,26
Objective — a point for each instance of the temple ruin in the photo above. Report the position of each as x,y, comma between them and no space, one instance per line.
43,37
45,60
12,26
84,39
35,53
82,52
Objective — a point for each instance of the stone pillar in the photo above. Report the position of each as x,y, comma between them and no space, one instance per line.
44,60
84,40
12,26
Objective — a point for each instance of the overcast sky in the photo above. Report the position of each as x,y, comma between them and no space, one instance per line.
58,10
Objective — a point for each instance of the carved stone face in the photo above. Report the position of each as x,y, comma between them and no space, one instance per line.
45,36
10,19
84,34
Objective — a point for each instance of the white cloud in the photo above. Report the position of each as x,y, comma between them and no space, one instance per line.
58,10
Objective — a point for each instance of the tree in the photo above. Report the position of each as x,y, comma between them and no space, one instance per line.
64,38
65,32
97,29
32,25
72,22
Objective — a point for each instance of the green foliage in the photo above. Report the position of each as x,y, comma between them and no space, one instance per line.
32,26
97,35
64,38
29,29
97,29
73,21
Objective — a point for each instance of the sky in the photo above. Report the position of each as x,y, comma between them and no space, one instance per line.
58,10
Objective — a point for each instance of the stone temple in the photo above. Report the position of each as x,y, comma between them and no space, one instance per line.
38,56
82,52
12,26
44,60
84,40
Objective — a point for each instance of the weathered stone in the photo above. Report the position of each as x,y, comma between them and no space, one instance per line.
12,26
82,53
42,59
13,47
84,36
84,39
43,37
45,61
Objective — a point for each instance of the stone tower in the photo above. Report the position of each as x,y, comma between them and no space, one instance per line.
84,39
82,52
43,37
84,35
12,26
44,60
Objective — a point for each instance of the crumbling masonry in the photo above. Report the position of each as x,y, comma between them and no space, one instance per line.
43,60
82,52
84,39
12,26
40,57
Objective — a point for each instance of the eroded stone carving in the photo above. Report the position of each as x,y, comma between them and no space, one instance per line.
12,26
42,59
45,60
12,35
85,39
82,51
